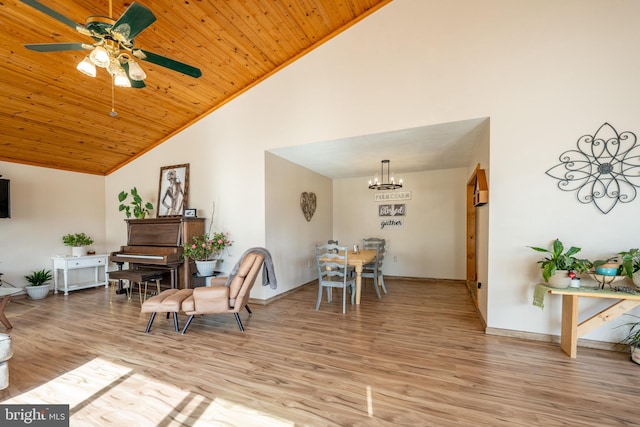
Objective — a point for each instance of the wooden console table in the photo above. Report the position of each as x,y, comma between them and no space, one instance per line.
64,264
571,330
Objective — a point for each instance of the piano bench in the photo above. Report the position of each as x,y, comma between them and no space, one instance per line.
141,277
168,301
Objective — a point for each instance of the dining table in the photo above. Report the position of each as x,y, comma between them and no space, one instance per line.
358,260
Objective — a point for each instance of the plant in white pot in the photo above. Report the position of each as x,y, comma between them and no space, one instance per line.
631,265
560,266
205,250
633,339
78,243
39,286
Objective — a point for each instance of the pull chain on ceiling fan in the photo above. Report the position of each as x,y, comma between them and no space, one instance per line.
113,47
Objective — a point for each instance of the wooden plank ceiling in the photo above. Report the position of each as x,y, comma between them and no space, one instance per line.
53,116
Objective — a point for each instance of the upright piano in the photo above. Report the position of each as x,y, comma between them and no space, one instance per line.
156,243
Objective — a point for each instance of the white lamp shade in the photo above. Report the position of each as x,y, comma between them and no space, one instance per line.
86,67
100,57
120,79
135,71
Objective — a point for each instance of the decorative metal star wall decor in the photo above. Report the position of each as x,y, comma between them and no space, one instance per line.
604,170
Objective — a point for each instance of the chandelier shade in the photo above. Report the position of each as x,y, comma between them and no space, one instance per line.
100,57
386,181
87,67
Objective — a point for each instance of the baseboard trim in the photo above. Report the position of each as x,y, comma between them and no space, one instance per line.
533,336
315,281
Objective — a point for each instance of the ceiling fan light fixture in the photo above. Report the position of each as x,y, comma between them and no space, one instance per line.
100,57
135,71
120,79
86,67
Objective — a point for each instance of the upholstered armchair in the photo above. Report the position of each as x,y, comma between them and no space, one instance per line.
224,294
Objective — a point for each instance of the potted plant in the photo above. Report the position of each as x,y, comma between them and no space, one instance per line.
559,260
78,243
140,208
633,339
38,287
205,250
631,265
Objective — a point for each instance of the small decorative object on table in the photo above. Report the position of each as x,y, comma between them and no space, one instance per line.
78,243
565,264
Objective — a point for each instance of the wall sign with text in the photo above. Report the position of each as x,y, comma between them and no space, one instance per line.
392,210
389,197
392,224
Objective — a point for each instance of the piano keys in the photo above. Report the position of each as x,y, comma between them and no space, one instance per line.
156,243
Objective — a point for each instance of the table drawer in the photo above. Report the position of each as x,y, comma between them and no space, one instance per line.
85,262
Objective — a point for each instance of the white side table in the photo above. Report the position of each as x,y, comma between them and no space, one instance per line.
64,263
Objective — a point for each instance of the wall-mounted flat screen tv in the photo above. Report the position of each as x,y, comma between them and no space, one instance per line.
5,199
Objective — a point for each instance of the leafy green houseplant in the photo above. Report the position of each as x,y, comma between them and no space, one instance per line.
140,208
38,284
39,278
633,338
558,259
76,240
630,262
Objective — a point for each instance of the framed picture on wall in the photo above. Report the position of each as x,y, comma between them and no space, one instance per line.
173,190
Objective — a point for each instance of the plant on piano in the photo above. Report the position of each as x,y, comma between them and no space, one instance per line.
140,208
206,247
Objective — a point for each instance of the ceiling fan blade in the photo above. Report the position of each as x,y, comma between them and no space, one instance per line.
52,13
57,47
137,84
169,63
132,22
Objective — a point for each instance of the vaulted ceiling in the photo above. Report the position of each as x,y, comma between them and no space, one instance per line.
52,115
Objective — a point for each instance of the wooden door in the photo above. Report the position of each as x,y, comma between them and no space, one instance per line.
477,195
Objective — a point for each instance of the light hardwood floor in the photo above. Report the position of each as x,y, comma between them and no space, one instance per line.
416,357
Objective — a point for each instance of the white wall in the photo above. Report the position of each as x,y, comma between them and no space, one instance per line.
45,205
290,238
432,242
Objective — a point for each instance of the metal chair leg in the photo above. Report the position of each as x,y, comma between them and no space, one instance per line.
248,309
153,316
175,321
187,324
239,321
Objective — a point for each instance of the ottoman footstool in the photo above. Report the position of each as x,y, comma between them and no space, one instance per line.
168,301
6,351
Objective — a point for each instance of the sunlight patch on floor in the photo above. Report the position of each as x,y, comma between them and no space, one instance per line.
104,393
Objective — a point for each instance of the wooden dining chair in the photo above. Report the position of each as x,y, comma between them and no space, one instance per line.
333,272
374,270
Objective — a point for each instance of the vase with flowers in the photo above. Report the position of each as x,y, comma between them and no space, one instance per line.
206,250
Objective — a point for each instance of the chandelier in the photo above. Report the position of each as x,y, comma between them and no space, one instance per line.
385,184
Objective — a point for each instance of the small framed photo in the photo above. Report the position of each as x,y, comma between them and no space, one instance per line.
189,213
173,190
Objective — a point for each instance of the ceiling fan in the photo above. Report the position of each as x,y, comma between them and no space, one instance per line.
113,47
